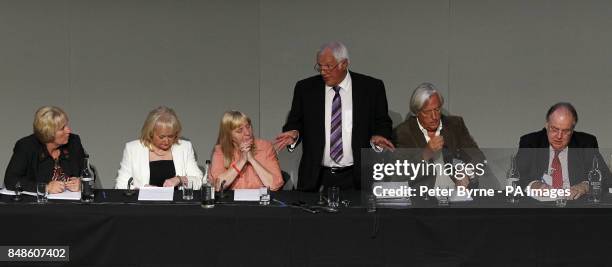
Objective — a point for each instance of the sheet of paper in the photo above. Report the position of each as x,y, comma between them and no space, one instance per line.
246,195
4,191
151,193
66,195
543,199
456,198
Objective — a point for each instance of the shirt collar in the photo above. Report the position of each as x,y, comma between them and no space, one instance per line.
552,151
344,84
424,131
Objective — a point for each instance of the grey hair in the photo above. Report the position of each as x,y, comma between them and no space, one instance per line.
421,94
338,50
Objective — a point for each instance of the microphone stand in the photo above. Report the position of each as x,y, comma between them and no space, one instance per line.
18,190
130,192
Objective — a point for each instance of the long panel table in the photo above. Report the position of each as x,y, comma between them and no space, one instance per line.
119,231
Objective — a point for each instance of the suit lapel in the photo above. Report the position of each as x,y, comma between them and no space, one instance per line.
543,154
144,162
318,109
357,91
417,136
176,158
574,164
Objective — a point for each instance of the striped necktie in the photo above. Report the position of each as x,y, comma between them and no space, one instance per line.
335,140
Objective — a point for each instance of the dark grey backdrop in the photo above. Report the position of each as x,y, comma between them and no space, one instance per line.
500,64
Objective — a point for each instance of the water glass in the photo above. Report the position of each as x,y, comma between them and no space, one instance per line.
444,197
41,193
264,196
561,201
596,191
187,190
371,203
333,197
514,183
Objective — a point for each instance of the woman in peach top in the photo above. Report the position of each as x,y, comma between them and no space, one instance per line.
241,160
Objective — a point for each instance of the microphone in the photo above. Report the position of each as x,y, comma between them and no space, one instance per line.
130,192
322,201
222,193
17,190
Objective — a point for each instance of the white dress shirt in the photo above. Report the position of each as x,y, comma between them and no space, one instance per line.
564,169
563,160
346,94
442,180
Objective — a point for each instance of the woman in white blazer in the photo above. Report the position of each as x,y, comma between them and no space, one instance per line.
159,157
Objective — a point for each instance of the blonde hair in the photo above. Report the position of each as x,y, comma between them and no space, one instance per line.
47,121
163,117
229,121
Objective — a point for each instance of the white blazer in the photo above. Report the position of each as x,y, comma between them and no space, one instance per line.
135,164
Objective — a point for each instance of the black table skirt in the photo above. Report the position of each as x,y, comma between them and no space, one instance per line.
117,231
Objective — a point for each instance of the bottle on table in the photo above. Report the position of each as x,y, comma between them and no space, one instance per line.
87,181
208,190
512,178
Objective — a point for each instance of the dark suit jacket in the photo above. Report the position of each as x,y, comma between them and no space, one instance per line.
457,143
533,157
370,117
31,162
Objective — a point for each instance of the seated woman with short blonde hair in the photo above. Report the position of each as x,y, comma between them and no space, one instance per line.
159,157
242,161
51,155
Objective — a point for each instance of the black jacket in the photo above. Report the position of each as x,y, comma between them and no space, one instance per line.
307,115
533,157
31,162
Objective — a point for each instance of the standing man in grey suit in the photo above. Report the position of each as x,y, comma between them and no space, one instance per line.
334,115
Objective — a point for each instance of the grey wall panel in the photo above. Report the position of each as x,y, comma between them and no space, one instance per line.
199,57
110,62
500,64
511,60
34,66
402,43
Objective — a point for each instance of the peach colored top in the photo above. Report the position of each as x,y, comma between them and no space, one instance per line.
248,178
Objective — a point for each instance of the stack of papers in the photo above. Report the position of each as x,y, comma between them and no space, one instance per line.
66,195
7,192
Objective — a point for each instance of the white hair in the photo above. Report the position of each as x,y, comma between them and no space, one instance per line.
421,94
338,50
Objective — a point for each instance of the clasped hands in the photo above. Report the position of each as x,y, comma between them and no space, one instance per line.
246,153
73,184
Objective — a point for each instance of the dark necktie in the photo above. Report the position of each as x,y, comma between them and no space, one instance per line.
335,140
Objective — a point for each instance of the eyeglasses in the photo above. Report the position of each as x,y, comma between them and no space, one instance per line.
435,112
318,67
557,131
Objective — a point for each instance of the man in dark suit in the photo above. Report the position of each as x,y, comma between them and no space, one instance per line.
442,138
559,152
335,114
